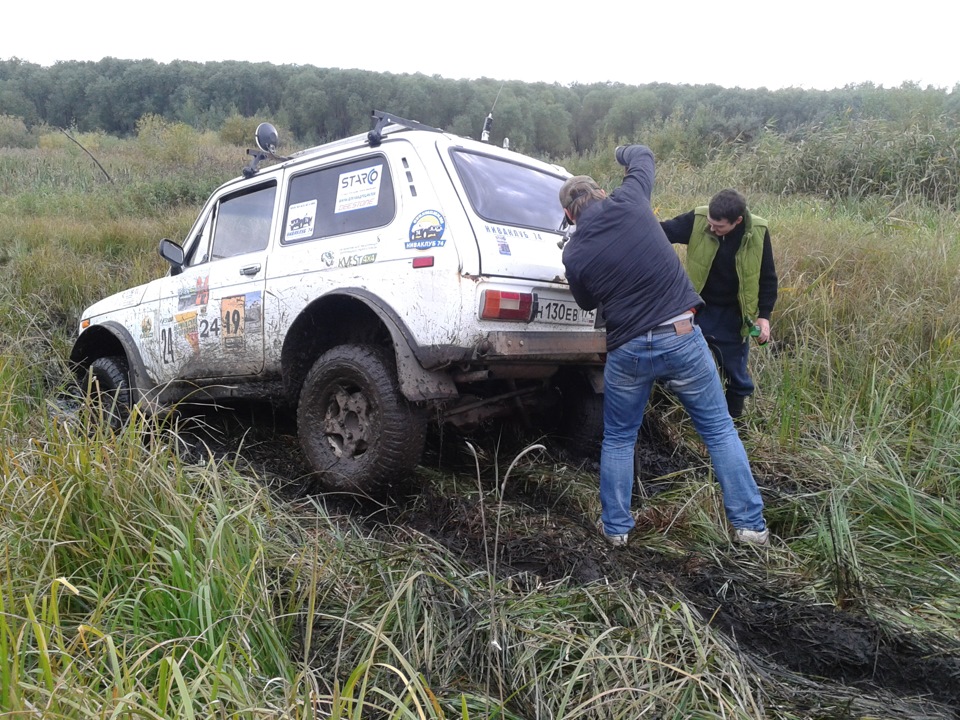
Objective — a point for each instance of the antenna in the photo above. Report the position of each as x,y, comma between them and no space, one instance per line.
488,122
487,127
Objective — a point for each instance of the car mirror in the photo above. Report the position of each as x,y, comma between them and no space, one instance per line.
173,254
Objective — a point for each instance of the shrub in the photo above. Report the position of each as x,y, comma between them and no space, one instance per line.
172,143
238,130
14,133
857,158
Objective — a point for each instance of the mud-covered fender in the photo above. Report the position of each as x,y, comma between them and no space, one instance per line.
111,338
415,382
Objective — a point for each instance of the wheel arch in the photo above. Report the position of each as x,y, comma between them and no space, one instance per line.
108,339
356,315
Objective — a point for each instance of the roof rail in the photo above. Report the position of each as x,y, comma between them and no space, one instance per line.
382,119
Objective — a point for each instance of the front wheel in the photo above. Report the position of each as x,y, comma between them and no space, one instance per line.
109,383
356,428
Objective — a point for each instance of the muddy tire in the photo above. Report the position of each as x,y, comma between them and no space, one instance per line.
580,427
357,430
110,390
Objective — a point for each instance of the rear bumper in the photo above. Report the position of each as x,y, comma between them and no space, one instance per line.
584,347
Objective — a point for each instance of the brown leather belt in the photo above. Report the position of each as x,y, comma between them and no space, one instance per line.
680,327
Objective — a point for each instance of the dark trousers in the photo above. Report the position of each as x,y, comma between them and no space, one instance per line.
721,327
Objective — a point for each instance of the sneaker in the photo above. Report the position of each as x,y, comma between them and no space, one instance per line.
754,537
612,540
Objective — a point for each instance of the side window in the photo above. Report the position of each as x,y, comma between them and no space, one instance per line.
241,222
339,199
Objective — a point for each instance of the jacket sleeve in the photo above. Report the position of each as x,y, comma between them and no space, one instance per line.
638,181
679,229
768,280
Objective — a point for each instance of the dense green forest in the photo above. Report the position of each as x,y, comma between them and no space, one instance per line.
858,141
318,104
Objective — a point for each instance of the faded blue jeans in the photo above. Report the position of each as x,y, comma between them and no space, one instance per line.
684,365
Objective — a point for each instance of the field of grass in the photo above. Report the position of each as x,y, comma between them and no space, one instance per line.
136,583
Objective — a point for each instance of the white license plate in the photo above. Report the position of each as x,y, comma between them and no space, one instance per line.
563,312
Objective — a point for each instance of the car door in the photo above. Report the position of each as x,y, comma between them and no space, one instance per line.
211,314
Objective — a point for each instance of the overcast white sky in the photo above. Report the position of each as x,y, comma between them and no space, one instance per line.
811,44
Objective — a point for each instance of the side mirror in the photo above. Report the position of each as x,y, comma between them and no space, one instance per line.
173,254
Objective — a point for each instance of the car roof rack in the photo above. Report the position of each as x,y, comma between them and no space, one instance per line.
382,119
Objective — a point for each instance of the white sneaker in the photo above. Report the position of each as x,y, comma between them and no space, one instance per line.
612,540
754,537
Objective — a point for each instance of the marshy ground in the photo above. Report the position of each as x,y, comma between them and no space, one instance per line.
540,535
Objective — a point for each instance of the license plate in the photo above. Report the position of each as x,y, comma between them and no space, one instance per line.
563,312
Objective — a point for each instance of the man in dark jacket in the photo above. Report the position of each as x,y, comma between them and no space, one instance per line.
730,262
620,259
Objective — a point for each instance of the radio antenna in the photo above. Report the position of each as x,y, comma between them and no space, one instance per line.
488,122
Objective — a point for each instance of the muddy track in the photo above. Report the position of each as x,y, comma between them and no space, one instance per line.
837,653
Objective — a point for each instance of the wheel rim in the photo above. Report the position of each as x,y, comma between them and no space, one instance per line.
348,422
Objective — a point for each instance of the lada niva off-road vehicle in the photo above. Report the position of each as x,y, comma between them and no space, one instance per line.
375,284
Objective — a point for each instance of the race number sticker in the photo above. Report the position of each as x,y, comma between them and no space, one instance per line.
359,189
232,321
300,220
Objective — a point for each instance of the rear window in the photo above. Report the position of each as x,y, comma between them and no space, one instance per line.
509,193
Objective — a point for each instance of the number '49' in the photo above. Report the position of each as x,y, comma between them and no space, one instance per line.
231,322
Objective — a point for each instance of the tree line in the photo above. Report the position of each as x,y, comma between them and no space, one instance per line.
549,120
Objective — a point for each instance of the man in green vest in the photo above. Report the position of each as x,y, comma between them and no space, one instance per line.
730,262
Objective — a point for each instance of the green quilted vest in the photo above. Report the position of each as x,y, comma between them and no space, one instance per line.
703,247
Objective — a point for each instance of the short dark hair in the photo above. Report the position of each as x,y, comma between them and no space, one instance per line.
727,205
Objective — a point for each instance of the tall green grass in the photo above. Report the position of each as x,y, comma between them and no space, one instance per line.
136,585
104,178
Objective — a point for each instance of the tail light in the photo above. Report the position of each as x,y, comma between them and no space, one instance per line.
503,305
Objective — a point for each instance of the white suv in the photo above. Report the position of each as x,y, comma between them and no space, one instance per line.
375,284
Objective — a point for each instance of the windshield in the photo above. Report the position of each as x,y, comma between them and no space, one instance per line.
508,193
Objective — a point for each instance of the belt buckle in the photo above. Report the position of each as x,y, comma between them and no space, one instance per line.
683,327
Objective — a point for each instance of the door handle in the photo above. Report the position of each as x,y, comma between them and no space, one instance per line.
250,269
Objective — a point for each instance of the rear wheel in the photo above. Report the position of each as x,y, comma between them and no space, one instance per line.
357,430
580,425
110,390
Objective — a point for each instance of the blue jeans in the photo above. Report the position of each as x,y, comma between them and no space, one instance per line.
721,327
685,366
